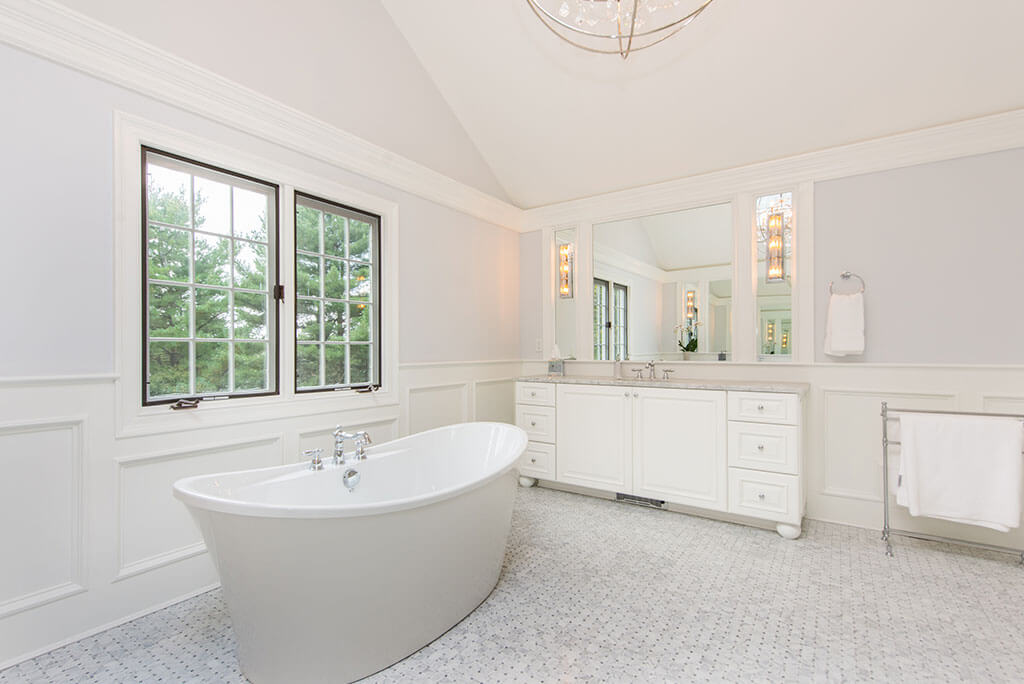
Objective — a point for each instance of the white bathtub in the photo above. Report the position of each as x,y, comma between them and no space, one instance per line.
327,585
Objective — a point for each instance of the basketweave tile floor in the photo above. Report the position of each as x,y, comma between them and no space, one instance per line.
600,591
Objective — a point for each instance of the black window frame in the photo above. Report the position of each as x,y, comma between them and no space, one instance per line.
275,289
376,301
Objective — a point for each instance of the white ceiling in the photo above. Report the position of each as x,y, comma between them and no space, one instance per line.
746,82
678,240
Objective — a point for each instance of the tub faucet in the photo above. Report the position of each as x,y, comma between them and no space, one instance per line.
339,445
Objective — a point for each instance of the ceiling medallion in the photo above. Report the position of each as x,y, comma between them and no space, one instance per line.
616,27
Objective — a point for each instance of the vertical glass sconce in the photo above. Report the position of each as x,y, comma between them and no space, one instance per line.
776,259
770,334
691,311
566,268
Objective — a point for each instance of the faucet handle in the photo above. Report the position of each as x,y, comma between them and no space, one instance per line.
315,463
666,371
363,440
639,372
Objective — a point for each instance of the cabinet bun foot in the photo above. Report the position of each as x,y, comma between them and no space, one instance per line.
785,531
531,481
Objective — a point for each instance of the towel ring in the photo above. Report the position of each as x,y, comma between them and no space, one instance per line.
846,275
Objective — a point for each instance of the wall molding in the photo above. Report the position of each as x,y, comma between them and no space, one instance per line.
163,559
993,133
57,33
47,380
76,583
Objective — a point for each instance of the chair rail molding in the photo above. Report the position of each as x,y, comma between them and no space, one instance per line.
62,35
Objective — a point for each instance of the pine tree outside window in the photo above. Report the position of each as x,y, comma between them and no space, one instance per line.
210,312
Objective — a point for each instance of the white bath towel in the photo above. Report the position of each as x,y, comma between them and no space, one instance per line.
844,328
966,469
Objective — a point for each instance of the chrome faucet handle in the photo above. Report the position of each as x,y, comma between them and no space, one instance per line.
315,463
666,371
362,441
639,372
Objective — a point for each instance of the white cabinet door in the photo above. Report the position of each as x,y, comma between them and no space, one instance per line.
593,437
680,446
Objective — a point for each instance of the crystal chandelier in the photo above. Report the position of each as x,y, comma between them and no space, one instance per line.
616,27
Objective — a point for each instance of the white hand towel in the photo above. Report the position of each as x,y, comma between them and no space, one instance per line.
844,329
966,469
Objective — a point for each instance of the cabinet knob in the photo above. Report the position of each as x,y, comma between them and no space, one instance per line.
533,423
760,496
533,394
626,394
760,407
760,447
635,395
533,460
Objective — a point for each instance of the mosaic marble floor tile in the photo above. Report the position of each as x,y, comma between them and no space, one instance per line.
598,591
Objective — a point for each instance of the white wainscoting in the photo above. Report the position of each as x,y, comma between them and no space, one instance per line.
92,533
43,525
100,539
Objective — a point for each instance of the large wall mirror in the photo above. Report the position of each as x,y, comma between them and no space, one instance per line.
662,286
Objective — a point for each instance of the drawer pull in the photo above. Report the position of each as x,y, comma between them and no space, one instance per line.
760,447
760,497
533,423
533,394
626,394
760,407
533,460
635,395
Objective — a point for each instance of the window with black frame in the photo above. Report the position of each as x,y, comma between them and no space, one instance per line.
337,296
209,280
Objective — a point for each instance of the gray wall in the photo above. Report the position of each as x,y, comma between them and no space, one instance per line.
941,247
458,285
531,295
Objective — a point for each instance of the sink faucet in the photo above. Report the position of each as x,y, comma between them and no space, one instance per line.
650,367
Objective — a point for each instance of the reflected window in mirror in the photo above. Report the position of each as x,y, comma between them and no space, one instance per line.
644,270
774,218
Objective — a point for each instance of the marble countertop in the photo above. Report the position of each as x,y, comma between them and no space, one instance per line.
676,383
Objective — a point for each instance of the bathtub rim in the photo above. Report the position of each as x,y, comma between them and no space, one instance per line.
184,491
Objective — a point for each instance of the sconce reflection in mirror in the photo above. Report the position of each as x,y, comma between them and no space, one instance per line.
690,325
566,268
776,269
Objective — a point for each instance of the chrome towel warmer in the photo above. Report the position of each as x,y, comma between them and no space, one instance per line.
887,530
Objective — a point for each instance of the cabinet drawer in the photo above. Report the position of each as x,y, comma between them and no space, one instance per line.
538,421
539,393
764,407
538,461
764,495
762,446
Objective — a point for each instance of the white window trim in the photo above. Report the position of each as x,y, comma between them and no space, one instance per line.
131,418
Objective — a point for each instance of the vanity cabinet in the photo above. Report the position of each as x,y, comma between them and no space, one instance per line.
680,446
595,434
714,449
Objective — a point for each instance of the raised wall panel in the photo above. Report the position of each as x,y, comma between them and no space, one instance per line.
41,506
494,400
853,437
436,406
157,529
999,404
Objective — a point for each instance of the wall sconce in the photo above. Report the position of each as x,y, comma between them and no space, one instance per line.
566,266
691,310
770,333
785,340
776,267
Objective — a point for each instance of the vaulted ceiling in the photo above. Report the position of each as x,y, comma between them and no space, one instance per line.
748,81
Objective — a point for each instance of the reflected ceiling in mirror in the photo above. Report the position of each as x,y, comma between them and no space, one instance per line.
663,286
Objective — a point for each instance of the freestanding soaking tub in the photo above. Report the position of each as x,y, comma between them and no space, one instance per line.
329,585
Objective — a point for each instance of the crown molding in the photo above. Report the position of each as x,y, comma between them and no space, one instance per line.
992,133
55,32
